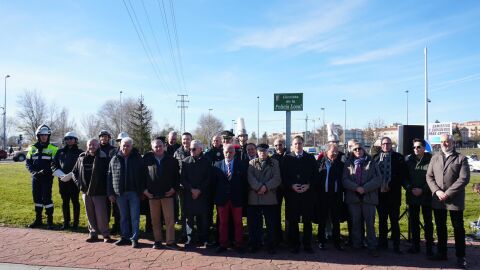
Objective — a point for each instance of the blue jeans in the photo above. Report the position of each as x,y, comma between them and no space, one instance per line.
129,206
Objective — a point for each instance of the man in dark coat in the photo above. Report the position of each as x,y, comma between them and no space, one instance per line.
279,155
180,154
162,184
172,144
300,173
394,172
447,175
112,209
330,195
419,196
126,183
195,179
62,165
229,177
90,176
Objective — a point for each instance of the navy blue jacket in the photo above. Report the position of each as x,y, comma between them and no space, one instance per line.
234,189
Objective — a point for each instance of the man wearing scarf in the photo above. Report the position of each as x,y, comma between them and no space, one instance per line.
393,170
447,175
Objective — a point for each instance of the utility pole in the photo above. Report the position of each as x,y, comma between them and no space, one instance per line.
121,112
306,128
182,107
323,126
426,97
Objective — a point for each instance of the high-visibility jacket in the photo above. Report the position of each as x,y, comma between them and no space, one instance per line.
40,158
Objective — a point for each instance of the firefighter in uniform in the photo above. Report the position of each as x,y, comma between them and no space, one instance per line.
38,162
62,166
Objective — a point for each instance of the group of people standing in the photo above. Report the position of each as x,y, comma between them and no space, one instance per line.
185,183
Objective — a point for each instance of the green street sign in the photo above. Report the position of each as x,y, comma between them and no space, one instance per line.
288,102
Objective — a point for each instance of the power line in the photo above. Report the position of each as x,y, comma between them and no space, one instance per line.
143,41
177,43
167,32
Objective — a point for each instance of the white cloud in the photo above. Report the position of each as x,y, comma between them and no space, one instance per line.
305,28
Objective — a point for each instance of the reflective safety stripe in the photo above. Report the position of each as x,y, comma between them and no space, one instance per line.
38,205
49,205
46,157
35,157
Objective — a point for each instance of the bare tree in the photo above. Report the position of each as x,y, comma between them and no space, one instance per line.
371,131
90,126
208,126
32,112
112,115
61,123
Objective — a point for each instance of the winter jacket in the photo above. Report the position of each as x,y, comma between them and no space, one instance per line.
268,176
97,184
417,178
137,172
169,178
371,182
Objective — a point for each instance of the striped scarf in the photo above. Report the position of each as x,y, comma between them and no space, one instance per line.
385,165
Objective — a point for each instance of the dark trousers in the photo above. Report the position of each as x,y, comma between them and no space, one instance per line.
414,214
200,222
69,192
113,211
294,233
388,211
277,216
42,193
456,218
330,206
256,213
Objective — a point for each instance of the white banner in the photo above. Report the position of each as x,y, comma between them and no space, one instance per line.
435,130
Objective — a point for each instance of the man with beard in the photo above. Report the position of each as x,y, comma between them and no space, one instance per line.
393,170
447,175
419,196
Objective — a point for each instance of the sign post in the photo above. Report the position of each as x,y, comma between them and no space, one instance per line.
288,102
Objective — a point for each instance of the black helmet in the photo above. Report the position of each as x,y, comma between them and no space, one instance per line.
104,132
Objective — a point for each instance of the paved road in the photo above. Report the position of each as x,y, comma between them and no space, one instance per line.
52,248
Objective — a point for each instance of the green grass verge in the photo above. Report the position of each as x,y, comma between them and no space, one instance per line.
17,210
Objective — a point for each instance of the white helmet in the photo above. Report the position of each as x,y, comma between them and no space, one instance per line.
71,134
43,130
122,135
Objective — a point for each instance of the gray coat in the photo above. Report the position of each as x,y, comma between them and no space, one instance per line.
372,180
268,176
451,178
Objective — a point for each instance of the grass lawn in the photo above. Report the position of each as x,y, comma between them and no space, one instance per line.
17,209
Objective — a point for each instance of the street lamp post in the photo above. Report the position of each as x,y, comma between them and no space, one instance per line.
233,125
258,118
5,116
407,105
345,124
121,111
323,125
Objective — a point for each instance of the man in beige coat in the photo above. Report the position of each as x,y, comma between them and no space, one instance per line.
263,180
447,176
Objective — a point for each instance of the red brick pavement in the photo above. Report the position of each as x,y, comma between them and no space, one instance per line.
53,248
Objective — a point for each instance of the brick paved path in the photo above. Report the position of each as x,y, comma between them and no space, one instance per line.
53,248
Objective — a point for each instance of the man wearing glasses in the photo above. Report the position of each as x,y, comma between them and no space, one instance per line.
419,196
195,179
63,164
448,174
279,155
393,171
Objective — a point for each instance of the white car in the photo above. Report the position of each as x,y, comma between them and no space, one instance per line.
474,163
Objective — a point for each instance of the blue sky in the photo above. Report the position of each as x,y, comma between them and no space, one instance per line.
81,53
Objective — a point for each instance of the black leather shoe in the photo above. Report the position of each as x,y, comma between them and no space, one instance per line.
135,244
220,249
438,257
157,245
294,250
462,263
308,250
413,250
122,241
92,239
